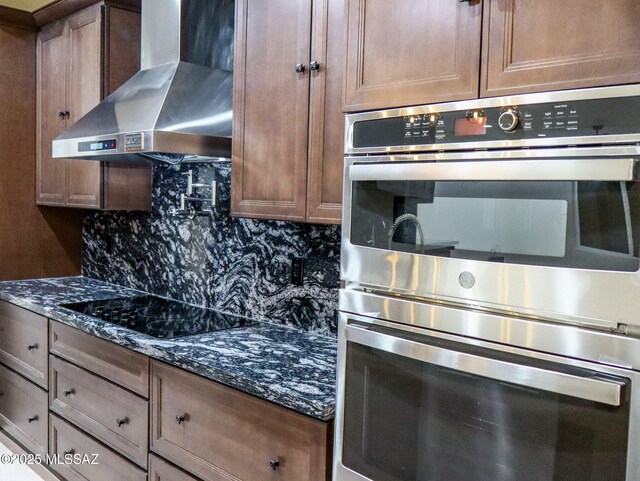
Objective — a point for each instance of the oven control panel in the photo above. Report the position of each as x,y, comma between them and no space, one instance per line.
571,120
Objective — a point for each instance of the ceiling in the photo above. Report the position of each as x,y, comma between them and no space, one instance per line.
28,5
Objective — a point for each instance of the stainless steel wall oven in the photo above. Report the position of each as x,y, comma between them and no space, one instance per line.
489,322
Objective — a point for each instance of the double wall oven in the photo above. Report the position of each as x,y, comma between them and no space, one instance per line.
490,316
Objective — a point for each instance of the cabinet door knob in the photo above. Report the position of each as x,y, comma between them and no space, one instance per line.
32,419
121,421
68,392
274,463
31,347
180,418
300,68
61,114
67,114
314,65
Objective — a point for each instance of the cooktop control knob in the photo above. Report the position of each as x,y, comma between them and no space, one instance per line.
509,119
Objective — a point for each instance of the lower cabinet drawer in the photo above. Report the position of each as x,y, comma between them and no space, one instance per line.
24,410
218,433
160,470
115,416
24,342
128,368
65,439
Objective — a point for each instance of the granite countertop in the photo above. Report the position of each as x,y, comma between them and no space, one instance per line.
291,368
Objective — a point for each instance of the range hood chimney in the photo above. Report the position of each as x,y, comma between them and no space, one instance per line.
179,106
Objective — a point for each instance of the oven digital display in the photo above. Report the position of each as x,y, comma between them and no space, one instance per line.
469,127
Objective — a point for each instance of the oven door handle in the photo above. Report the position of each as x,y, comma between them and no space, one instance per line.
592,389
604,169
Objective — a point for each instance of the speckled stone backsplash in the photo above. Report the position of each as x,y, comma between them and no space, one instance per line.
235,265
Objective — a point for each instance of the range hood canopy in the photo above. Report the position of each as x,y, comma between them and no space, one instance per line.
179,106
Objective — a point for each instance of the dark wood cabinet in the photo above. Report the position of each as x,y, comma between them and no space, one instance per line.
160,470
23,357
109,413
84,92
24,343
99,462
288,125
326,129
403,53
211,431
81,59
128,368
218,433
550,45
409,52
23,410
51,118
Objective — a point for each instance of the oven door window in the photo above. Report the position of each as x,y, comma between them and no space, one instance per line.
586,225
407,420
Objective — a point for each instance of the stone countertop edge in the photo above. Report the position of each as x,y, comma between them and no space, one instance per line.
186,352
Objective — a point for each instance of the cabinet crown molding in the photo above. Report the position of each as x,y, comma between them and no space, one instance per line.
14,17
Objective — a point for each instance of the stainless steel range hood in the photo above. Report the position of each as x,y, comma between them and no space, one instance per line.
179,106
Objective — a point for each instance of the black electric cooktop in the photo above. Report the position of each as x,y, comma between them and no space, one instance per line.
159,317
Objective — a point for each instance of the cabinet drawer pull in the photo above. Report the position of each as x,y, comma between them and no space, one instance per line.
300,68
180,419
68,392
121,421
274,463
33,419
68,453
31,347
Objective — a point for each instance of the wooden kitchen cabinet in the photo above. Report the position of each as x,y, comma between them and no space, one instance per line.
24,343
410,52
23,411
100,463
218,433
116,363
288,125
23,377
81,59
550,45
160,470
109,413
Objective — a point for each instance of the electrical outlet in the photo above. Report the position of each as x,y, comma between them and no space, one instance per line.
297,271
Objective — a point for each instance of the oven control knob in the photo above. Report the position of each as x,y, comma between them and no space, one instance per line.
509,119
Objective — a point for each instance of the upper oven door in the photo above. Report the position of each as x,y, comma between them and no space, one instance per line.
548,237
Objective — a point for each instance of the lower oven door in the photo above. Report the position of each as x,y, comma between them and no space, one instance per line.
414,405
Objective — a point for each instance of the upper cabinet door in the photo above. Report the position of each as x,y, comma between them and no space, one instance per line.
271,108
326,129
51,108
84,93
408,52
532,46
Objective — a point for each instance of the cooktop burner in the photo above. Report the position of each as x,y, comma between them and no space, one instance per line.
159,317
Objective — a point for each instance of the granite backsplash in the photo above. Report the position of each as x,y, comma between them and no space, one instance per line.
235,265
